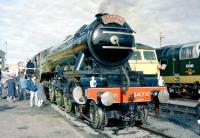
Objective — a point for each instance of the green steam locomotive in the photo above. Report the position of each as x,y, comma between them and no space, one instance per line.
87,74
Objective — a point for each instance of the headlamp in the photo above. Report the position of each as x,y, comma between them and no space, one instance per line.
107,98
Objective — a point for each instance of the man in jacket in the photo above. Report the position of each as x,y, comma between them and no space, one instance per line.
23,87
33,90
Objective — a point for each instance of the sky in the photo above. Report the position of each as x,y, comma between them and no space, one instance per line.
29,26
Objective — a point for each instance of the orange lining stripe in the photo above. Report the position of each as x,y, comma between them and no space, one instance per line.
133,94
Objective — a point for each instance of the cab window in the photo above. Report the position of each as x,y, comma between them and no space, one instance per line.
136,55
149,55
186,52
164,52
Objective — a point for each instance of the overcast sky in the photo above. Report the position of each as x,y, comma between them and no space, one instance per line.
29,26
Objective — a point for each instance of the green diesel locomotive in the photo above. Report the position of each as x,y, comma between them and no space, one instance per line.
180,68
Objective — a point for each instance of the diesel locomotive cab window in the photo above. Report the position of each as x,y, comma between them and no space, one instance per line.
149,55
188,52
164,52
136,56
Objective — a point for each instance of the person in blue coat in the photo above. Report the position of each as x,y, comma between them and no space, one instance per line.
32,87
11,89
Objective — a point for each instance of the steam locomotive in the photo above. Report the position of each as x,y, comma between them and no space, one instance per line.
181,69
88,73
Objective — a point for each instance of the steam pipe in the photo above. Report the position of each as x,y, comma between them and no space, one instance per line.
127,78
79,61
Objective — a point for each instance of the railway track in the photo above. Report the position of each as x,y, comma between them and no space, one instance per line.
109,132
146,128
180,112
71,116
183,108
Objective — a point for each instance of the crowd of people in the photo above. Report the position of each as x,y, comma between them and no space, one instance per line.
22,87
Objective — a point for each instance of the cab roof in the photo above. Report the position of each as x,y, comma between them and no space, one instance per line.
143,46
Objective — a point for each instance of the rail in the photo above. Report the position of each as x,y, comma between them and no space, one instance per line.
173,108
103,134
156,132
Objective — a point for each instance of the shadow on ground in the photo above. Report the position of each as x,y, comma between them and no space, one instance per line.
6,107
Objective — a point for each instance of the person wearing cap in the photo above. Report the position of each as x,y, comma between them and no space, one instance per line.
32,87
11,88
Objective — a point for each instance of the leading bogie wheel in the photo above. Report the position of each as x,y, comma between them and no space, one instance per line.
96,116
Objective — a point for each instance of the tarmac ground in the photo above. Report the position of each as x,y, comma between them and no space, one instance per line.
19,120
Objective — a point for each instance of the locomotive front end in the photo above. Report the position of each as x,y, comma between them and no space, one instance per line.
111,40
